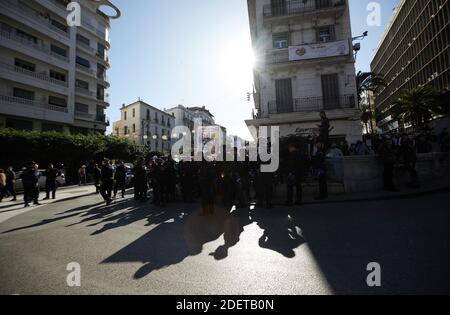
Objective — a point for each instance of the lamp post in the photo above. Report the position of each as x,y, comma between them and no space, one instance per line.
357,46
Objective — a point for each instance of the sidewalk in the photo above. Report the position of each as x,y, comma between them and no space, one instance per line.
405,192
10,209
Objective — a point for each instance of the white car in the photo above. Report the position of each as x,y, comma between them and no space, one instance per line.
60,180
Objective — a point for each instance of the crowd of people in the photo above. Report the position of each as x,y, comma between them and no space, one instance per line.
162,180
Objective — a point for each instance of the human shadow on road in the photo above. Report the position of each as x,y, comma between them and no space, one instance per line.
281,233
175,236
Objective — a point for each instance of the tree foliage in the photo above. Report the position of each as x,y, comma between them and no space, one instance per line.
21,147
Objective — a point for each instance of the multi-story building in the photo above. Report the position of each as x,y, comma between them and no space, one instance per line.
305,64
146,125
414,51
183,116
53,77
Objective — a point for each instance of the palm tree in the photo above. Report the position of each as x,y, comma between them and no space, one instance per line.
416,106
368,82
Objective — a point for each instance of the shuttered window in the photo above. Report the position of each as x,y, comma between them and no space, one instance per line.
284,95
330,91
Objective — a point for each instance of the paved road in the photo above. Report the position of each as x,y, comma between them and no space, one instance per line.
133,248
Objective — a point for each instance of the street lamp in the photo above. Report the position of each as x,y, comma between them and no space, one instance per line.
357,46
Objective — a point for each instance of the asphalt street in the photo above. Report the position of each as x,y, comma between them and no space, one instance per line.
135,248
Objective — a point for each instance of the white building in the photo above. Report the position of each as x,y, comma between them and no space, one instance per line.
185,116
146,125
305,65
52,76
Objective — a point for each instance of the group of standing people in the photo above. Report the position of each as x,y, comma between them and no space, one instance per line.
7,183
30,182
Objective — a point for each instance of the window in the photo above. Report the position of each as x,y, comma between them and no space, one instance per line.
325,34
57,75
125,130
124,115
59,26
330,91
57,101
101,50
100,92
280,41
134,112
25,94
19,124
284,101
83,62
134,128
26,36
82,108
148,114
82,84
83,40
24,65
58,50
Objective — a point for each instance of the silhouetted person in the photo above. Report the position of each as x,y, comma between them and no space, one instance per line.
409,156
30,181
264,188
187,180
207,176
295,166
107,181
2,184
388,157
324,129
97,174
140,181
120,178
10,183
50,183
319,163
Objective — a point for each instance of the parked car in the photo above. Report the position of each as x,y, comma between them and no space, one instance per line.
60,180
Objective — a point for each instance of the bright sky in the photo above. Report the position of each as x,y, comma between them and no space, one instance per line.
198,52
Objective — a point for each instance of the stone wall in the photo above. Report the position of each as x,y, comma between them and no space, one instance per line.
365,173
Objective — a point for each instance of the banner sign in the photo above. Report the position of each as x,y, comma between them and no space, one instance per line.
321,50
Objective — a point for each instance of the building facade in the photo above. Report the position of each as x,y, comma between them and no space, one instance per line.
305,64
414,51
53,77
146,125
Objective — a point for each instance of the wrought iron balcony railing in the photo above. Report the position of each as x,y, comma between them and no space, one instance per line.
23,101
310,104
40,76
294,7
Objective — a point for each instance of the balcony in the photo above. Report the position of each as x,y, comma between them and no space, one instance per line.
84,115
34,19
311,104
102,119
85,47
39,47
85,69
300,7
16,100
35,75
86,92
